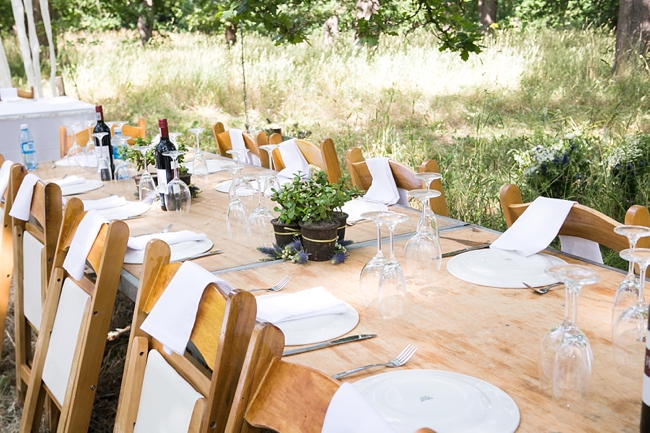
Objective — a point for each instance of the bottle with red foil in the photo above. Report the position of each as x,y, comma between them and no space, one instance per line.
164,163
103,147
645,397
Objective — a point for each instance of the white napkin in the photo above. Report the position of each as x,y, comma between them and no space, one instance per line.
172,318
582,248
237,143
355,207
80,160
5,172
349,412
82,242
104,203
536,228
69,180
140,242
9,94
383,188
294,161
307,303
23,201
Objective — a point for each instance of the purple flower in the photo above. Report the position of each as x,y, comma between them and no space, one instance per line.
267,250
300,257
338,258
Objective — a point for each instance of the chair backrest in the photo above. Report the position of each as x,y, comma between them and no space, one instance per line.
66,141
76,319
222,138
34,244
323,156
133,131
29,94
582,221
404,177
221,335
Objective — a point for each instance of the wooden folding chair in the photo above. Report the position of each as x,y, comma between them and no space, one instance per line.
6,253
34,247
28,94
404,177
133,131
221,335
76,318
323,156
582,221
222,138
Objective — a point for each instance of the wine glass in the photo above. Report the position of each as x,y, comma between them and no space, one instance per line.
566,358
236,221
392,284
147,187
423,255
631,326
259,221
628,289
238,155
430,220
75,154
89,148
177,196
103,161
269,149
199,165
369,278
124,173
173,137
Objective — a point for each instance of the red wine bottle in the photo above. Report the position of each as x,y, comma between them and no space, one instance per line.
645,398
164,163
104,148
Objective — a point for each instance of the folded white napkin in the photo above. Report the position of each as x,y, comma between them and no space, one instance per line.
172,318
8,94
104,203
536,228
307,303
582,248
82,242
294,161
23,201
355,207
349,412
237,143
69,180
383,188
140,242
5,172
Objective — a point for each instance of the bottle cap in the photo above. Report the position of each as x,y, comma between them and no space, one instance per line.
98,109
162,123
23,126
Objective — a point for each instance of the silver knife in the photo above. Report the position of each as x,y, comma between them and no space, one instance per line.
198,256
464,250
343,340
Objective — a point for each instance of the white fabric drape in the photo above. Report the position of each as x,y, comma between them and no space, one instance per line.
5,73
45,13
19,18
35,48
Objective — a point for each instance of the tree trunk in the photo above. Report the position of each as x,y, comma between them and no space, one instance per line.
145,21
231,34
487,12
632,31
40,30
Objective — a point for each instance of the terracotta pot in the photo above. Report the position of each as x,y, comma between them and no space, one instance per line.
319,239
285,233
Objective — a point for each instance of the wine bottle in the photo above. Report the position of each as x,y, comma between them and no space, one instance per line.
645,398
104,148
164,163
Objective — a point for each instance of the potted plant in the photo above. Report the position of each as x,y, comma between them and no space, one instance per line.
291,198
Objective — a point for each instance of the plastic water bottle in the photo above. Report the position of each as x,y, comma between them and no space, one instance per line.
27,148
117,142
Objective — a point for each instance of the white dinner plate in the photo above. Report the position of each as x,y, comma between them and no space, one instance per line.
242,191
179,251
80,188
214,165
441,400
128,210
319,328
82,161
503,269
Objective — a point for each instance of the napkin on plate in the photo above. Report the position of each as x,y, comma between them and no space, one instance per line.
307,303
140,242
536,228
349,412
104,203
9,94
69,180
82,242
355,207
23,201
294,161
383,189
5,172
172,318
80,160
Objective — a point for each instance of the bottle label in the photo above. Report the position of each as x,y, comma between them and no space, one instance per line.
162,180
27,147
646,371
98,117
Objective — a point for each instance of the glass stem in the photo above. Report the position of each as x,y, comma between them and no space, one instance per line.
379,253
571,306
262,188
392,253
642,270
175,169
423,218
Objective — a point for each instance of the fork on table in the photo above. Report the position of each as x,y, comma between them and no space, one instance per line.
398,361
283,282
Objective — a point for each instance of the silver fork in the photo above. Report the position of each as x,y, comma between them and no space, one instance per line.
399,360
283,282
543,290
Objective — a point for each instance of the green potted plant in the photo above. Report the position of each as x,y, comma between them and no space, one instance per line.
291,198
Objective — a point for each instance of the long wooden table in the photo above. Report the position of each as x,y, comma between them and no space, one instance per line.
488,333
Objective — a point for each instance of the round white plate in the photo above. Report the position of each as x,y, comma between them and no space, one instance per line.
80,188
503,269
441,400
90,162
320,328
214,165
241,191
129,210
180,251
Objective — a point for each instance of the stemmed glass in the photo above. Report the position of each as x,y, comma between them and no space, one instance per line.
199,165
392,284
173,136
103,162
177,196
89,148
422,251
269,149
566,357
631,326
628,289
430,220
237,154
147,187
369,279
236,220
124,172
259,221
75,152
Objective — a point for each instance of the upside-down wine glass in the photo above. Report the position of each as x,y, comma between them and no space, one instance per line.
427,177
147,187
269,149
392,284
177,196
236,221
103,161
75,154
259,221
238,155
627,292
199,164
369,278
566,358
423,255
89,148
631,327
124,172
